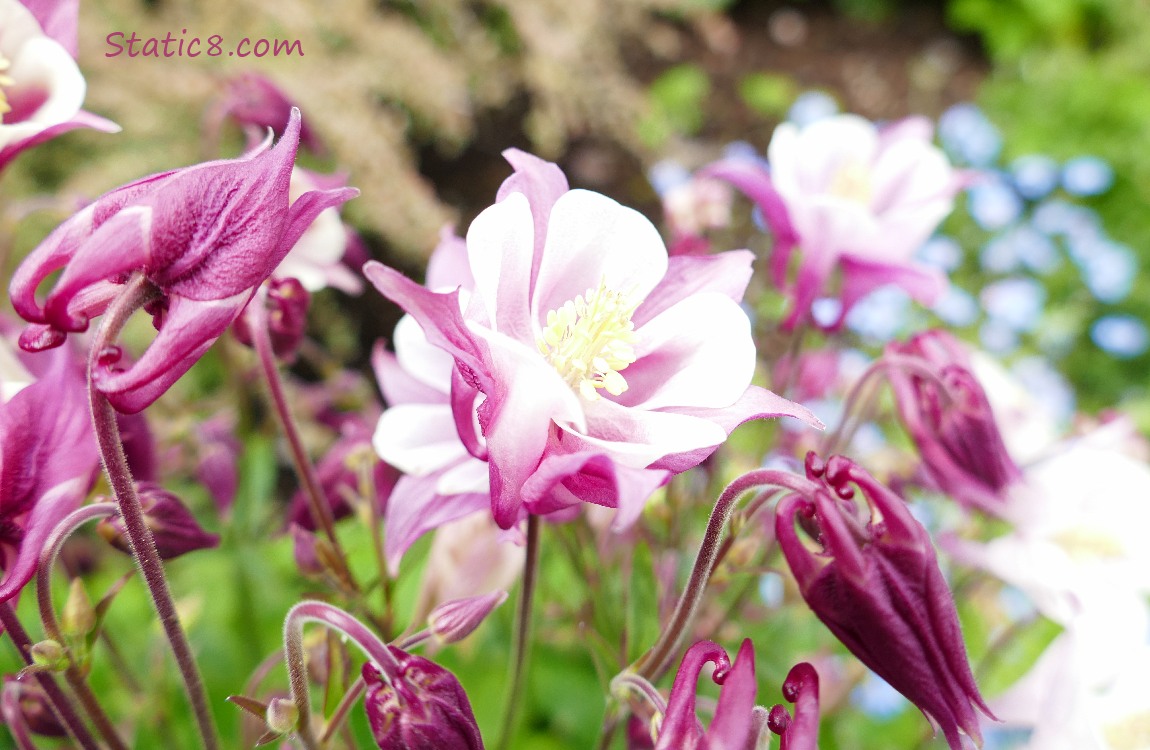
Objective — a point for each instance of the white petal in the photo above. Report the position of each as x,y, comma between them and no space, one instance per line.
638,438
591,239
418,439
42,64
425,362
500,245
698,352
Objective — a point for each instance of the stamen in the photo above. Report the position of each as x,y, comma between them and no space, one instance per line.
589,340
5,80
852,181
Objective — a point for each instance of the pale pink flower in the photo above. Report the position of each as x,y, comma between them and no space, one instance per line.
41,89
602,367
853,198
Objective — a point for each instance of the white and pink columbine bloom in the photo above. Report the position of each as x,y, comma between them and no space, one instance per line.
41,89
588,366
852,197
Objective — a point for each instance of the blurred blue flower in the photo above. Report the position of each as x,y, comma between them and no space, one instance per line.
771,589
1123,336
1108,267
1017,605
1035,249
826,310
999,255
941,251
667,174
1015,302
743,151
1056,216
1047,386
956,307
1034,176
873,696
996,737
968,136
881,314
811,106
993,203
997,338
1087,175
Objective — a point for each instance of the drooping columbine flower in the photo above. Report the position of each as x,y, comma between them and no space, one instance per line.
603,367
48,461
951,422
173,526
41,89
205,237
877,586
257,104
847,195
421,706
731,728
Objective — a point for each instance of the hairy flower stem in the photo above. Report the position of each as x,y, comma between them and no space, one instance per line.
73,673
335,618
317,504
522,637
57,698
138,292
656,660
857,409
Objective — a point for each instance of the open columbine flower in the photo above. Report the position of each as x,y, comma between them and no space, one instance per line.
600,366
41,89
205,237
849,196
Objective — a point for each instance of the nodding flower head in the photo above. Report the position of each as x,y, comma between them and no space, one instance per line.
946,412
203,237
877,586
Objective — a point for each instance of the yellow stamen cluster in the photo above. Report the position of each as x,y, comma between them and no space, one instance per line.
5,80
589,340
852,181
1131,733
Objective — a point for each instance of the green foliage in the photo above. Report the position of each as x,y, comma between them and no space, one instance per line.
677,100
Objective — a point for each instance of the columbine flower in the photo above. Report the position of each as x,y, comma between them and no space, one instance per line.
731,729
257,104
603,367
420,706
41,89
951,422
205,237
316,259
48,462
175,529
801,732
850,196
877,586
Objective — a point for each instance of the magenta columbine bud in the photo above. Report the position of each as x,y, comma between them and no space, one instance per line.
731,728
950,420
877,586
421,707
287,317
256,103
26,698
174,527
455,620
801,732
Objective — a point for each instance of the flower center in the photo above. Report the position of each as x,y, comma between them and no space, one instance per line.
5,80
1129,733
588,341
852,182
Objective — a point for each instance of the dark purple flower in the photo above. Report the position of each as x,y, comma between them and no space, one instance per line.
173,526
802,731
420,707
204,236
48,461
731,727
877,586
951,422
287,303
256,103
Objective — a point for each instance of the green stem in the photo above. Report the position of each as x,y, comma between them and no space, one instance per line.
138,291
522,636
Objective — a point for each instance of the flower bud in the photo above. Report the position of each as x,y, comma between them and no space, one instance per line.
175,529
455,620
877,586
421,707
78,618
287,302
48,655
282,715
28,698
950,420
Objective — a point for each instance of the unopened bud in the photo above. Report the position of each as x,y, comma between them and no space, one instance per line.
78,618
287,303
49,655
173,526
422,705
29,699
455,620
282,715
